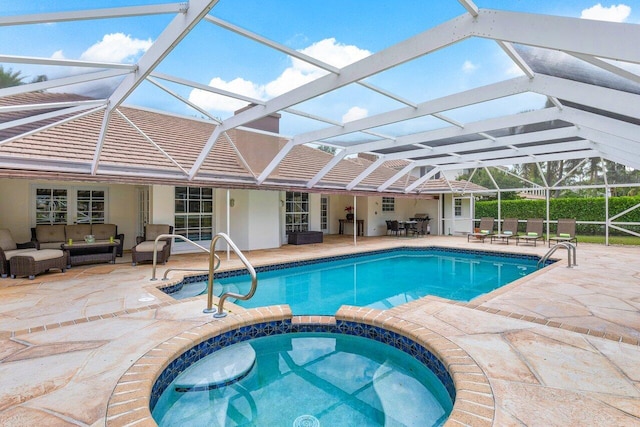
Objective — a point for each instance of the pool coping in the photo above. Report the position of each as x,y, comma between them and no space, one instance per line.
474,403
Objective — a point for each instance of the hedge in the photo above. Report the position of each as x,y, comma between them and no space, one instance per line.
582,209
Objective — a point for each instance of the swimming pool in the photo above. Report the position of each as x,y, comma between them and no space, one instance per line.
379,279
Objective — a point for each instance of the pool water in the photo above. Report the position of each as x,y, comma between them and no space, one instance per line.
309,379
382,280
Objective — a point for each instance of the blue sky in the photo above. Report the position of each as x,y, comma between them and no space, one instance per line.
336,31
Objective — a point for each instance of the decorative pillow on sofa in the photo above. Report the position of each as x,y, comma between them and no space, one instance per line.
50,233
103,231
152,231
77,231
6,240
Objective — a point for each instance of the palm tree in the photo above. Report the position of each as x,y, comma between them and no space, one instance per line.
10,78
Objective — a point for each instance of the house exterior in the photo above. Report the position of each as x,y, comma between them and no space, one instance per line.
64,172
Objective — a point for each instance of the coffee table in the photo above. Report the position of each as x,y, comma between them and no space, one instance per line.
89,253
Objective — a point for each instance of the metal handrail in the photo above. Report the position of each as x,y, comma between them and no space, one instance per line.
571,250
175,236
254,279
166,273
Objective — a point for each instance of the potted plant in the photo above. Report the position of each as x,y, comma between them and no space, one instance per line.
349,211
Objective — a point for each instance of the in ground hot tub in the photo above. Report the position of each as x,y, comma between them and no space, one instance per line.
361,367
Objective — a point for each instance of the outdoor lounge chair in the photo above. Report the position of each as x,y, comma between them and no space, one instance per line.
485,230
509,230
534,232
566,231
143,250
24,259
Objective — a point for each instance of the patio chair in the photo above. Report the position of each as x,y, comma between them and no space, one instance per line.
394,227
509,230
24,259
143,250
533,233
485,230
566,231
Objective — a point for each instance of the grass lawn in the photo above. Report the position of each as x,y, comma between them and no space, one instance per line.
613,240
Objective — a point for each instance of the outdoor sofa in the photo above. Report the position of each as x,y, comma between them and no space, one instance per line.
54,236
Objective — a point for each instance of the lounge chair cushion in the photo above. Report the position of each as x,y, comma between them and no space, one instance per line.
532,234
154,230
43,254
77,231
508,233
103,231
50,233
147,246
565,235
484,231
19,252
6,240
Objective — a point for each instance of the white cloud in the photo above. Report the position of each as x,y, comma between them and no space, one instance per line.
513,70
355,113
298,74
469,67
213,102
115,47
613,13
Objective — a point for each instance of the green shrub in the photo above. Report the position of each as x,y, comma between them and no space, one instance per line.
582,209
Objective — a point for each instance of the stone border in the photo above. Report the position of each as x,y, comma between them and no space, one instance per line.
474,403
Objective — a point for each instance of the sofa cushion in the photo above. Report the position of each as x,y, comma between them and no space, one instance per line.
152,231
50,233
6,240
77,231
103,231
147,246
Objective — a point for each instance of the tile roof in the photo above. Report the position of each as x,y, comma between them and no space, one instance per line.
149,146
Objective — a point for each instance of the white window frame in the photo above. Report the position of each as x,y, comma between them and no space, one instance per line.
72,201
188,230
457,207
296,212
388,204
324,213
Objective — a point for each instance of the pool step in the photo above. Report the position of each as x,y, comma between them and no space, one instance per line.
219,369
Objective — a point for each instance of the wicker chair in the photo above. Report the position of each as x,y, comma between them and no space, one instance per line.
143,250
9,248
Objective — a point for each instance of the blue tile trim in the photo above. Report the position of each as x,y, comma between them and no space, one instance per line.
257,330
427,249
